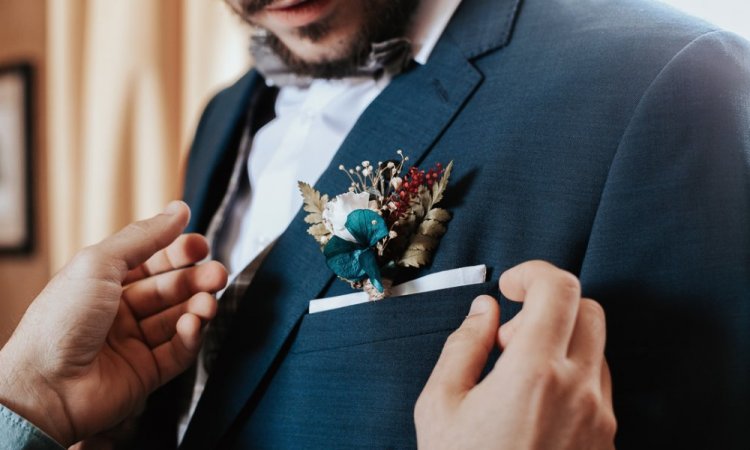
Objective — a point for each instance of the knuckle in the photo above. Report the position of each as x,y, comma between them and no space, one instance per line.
608,425
467,338
592,314
589,402
87,256
568,285
141,228
538,265
87,262
459,337
550,376
593,309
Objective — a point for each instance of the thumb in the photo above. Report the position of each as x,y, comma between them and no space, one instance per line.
137,242
466,350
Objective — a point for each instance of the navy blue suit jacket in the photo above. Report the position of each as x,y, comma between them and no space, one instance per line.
611,138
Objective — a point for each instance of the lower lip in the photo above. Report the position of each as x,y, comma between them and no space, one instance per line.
300,14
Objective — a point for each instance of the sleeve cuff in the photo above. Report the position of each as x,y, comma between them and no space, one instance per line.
17,433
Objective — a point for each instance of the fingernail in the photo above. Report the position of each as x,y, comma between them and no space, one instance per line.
479,306
173,207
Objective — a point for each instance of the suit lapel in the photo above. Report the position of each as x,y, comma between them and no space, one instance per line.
214,151
410,114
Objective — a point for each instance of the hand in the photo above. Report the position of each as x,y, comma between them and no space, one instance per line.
551,387
110,328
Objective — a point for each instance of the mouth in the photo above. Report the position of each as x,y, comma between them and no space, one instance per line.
298,13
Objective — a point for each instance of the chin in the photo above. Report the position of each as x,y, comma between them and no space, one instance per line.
329,49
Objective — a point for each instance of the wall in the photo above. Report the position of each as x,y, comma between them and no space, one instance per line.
732,15
22,38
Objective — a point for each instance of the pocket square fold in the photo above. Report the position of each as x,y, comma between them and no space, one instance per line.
463,276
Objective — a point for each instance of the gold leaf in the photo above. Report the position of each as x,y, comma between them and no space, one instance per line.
438,214
414,258
314,202
422,242
432,228
318,230
313,218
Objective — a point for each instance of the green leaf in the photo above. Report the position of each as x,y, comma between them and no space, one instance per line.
438,189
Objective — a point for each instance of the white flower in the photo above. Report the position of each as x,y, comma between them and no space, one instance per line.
338,209
396,183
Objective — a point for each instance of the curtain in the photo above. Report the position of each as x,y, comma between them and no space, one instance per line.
127,80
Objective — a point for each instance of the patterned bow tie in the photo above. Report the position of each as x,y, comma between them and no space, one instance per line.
389,57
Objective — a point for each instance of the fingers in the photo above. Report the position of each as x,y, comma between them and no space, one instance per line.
187,249
161,327
551,299
138,241
586,347
176,355
508,330
465,352
155,294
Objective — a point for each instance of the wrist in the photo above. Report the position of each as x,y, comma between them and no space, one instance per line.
27,393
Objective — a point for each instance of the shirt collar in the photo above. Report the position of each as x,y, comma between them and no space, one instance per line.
430,20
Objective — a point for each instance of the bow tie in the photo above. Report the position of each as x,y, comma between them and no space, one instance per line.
389,57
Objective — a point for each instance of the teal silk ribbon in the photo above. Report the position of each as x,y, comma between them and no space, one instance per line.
355,261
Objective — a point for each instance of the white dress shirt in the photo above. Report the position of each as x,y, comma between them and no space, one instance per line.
298,145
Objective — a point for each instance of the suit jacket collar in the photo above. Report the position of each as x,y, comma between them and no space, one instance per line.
411,113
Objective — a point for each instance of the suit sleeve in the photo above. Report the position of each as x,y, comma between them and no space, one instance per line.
16,433
669,253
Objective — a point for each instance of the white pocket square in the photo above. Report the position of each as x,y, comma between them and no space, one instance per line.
463,276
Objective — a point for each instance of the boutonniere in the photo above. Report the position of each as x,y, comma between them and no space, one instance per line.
387,219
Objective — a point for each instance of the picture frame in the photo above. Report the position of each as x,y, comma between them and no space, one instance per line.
16,148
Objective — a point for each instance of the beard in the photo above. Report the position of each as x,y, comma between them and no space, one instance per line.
384,19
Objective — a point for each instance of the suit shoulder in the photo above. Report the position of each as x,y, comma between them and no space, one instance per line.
641,32
623,19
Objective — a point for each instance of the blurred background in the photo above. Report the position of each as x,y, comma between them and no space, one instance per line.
118,86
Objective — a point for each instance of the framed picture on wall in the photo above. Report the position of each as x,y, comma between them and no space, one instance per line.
16,228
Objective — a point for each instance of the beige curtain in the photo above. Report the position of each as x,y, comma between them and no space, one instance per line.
127,80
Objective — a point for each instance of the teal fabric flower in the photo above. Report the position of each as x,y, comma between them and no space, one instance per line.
356,261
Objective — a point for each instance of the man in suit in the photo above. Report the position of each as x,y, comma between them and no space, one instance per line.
610,138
